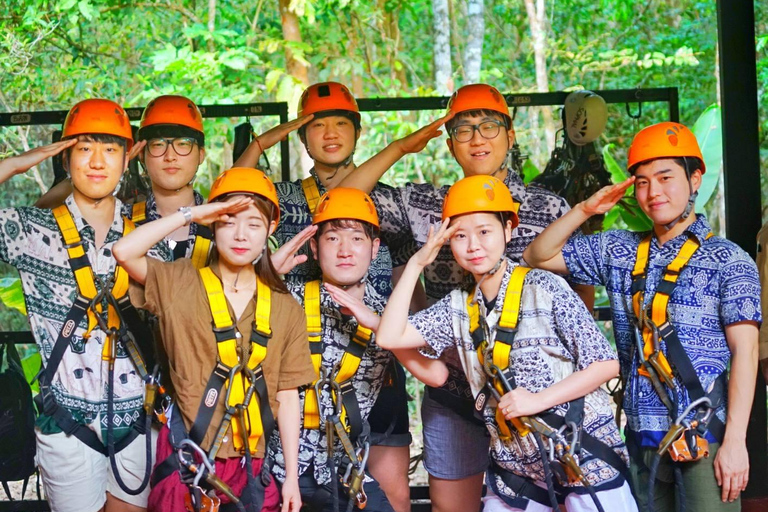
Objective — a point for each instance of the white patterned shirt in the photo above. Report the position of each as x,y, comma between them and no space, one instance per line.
30,241
556,336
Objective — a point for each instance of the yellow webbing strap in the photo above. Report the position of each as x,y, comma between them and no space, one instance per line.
86,282
510,315
660,300
314,331
350,361
311,192
200,251
227,350
139,212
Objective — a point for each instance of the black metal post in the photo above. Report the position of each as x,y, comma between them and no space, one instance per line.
741,161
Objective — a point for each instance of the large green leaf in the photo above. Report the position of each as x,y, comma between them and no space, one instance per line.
31,366
530,171
708,131
617,173
12,295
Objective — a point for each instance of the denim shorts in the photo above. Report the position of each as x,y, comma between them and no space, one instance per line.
454,447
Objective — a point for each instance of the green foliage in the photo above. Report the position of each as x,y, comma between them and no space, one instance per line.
12,295
708,131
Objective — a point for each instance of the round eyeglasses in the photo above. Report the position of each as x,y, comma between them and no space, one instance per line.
181,145
465,132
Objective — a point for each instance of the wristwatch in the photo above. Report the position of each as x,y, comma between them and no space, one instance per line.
186,211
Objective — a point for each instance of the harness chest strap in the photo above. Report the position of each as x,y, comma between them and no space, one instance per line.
350,362
502,347
311,193
201,249
259,418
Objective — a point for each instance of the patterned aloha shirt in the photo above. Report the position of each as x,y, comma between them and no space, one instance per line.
30,241
295,216
152,214
337,331
718,287
556,336
415,208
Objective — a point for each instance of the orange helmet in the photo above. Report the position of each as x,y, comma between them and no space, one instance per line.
476,194
244,180
346,203
479,97
98,116
664,140
328,96
175,112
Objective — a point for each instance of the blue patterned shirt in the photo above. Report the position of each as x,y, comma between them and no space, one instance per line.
295,216
718,287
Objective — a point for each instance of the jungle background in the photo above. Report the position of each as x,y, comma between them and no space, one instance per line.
55,53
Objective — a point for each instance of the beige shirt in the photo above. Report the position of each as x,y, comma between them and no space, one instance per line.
762,267
174,292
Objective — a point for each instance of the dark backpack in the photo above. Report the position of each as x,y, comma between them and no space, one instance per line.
17,422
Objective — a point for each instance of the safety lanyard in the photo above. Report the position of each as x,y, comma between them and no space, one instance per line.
311,193
350,362
502,345
226,337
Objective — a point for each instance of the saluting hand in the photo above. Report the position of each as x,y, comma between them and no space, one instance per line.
605,198
219,211
280,132
418,140
353,306
435,241
25,161
285,258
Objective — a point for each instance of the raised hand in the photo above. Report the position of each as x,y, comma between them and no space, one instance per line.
285,258
353,306
136,149
219,211
280,132
25,161
435,241
605,198
418,140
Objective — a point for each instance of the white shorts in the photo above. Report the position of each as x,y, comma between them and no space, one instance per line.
614,500
77,478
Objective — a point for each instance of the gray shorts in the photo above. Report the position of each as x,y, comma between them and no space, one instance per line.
454,447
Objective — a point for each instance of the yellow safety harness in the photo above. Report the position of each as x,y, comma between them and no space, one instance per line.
502,347
685,440
231,373
347,367
311,193
201,249
562,458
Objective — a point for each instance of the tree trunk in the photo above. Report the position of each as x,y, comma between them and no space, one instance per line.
292,32
211,24
537,20
442,47
473,51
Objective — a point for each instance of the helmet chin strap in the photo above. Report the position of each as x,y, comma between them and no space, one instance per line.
344,163
691,201
499,263
362,280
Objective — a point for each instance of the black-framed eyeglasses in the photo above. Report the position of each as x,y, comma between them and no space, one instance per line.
181,145
488,130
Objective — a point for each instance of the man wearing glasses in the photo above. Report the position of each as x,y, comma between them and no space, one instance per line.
480,138
172,129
